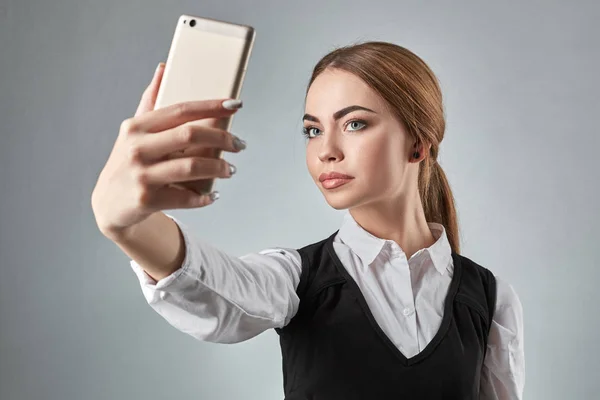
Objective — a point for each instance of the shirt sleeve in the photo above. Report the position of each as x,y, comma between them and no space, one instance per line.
503,372
220,298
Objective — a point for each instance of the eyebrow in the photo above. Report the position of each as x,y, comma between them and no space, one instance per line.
338,114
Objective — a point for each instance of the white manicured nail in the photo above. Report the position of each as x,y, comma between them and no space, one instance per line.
214,195
232,104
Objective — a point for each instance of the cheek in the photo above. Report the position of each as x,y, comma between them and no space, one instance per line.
379,161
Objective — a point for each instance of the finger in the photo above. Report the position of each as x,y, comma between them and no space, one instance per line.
149,96
191,134
172,197
186,169
177,114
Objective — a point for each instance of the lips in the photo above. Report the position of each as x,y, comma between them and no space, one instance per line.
333,175
334,183
332,180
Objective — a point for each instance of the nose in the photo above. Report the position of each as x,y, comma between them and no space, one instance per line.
330,149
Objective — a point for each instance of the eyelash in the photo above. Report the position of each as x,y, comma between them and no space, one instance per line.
306,129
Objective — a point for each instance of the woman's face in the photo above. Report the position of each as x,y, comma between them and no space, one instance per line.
371,146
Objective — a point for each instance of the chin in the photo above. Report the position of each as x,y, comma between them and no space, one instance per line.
341,201
339,205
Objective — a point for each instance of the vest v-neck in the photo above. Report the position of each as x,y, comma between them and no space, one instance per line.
446,318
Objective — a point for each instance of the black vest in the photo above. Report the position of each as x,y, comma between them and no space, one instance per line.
334,349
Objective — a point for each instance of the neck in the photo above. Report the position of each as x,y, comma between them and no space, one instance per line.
401,220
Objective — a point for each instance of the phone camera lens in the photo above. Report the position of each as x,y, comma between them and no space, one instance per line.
192,22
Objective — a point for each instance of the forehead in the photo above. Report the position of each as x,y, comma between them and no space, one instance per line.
334,89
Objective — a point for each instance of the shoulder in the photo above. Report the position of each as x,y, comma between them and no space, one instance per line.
474,268
477,281
315,247
505,296
509,309
296,256
312,253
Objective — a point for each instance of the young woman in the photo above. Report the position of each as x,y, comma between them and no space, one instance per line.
385,307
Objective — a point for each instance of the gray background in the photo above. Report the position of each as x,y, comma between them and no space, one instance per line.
521,92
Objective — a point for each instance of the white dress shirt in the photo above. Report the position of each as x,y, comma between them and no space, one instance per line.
220,298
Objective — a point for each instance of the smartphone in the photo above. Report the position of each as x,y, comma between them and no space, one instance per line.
207,60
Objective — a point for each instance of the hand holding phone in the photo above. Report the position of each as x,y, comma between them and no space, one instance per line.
139,176
179,131
207,60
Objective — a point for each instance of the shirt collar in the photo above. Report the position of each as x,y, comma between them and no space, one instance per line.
368,246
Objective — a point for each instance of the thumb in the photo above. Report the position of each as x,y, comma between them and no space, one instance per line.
149,96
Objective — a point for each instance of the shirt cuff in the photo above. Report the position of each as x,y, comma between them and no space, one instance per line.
171,281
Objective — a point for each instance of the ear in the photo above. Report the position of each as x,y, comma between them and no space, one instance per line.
417,147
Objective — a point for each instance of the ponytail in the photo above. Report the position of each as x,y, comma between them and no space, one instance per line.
437,199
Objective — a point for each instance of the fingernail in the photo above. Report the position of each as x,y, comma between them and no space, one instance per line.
160,65
238,143
214,195
232,169
232,104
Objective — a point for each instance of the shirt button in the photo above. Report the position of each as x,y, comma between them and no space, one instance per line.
407,311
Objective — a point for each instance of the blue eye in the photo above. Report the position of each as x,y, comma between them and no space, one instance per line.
356,122
307,130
